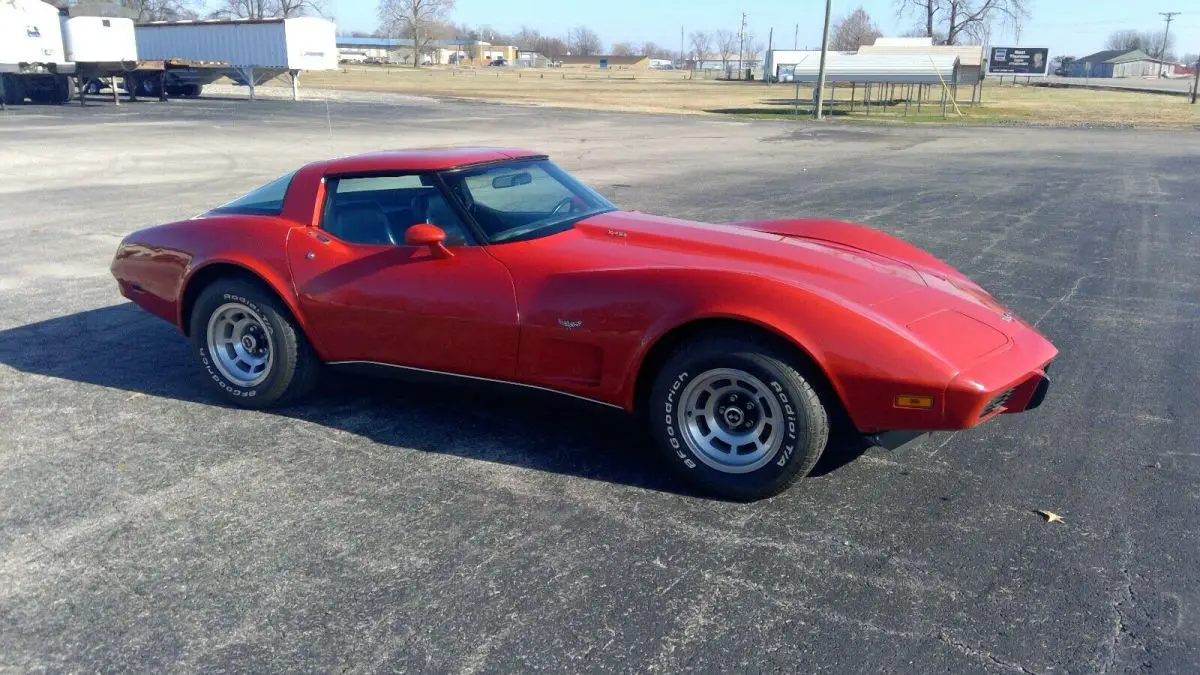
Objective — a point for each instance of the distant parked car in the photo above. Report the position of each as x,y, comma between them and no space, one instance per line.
500,62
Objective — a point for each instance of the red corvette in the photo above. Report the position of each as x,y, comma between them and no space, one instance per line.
740,344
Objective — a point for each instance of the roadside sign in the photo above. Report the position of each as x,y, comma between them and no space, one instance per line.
1029,61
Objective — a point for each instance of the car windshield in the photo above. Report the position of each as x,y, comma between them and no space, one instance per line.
526,199
266,200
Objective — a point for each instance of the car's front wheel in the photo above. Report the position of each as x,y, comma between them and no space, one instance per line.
249,345
737,418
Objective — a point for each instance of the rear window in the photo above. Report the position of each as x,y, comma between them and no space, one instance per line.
266,200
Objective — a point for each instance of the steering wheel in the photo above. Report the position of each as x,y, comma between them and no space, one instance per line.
564,205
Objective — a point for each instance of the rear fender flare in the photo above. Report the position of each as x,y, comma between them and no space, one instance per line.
274,281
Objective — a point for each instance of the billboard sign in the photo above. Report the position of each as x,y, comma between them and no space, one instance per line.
1019,60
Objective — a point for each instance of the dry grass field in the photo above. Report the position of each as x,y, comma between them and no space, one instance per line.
673,92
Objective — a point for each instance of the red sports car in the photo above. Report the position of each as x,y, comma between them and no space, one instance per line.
740,344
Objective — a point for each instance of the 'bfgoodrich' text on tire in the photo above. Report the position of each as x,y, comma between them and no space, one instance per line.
737,418
249,346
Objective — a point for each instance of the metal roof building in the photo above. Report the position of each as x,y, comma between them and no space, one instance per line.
970,57
1119,63
874,68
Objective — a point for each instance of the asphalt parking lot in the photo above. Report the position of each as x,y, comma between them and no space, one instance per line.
145,528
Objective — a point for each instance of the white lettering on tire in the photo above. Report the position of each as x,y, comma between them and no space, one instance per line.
206,361
669,418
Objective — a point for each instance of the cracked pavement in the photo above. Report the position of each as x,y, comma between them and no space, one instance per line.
382,526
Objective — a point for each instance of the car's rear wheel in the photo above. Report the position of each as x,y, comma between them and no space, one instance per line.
250,346
737,418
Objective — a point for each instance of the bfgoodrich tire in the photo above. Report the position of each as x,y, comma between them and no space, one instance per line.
736,418
249,346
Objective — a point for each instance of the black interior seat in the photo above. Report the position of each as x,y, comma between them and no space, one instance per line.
363,223
430,207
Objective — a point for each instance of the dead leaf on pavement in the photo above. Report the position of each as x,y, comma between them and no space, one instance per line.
1050,516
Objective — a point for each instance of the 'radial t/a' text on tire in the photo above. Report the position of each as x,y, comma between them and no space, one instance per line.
736,418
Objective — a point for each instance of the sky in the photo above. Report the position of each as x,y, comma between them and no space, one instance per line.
1071,27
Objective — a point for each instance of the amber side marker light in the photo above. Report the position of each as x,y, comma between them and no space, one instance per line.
914,402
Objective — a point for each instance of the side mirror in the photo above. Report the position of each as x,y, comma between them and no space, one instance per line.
423,234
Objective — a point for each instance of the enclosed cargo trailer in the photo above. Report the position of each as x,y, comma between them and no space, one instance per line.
256,50
32,62
97,39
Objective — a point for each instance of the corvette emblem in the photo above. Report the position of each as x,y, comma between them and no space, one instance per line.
1007,316
569,325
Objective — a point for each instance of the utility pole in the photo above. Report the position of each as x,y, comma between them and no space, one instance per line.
681,57
769,61
1195,80
1169,16
741,45
824,51
796,40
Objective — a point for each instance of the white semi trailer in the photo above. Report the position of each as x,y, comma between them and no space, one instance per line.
33,63
252,50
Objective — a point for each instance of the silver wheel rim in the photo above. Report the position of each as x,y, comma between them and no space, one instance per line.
240,344
731,421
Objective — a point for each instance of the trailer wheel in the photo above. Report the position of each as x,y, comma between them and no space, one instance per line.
147,87
192,90
61,93
14,90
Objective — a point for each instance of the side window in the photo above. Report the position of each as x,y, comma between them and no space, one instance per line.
265,201
379,209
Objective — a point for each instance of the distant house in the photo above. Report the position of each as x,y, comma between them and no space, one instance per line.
1119,63
604,61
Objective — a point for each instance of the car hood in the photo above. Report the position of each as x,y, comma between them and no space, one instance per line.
855,274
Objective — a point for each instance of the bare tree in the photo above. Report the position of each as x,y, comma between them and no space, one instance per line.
550,47
926,11
727,42
1124,39
971,17
853,31
755,50
622,49
162,10
701,42
652,51
585,42
939,37
527,38
1150,42
416,18
245,9
959,18
1155,45
261,9
287,8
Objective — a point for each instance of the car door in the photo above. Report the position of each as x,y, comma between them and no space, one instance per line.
369,297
